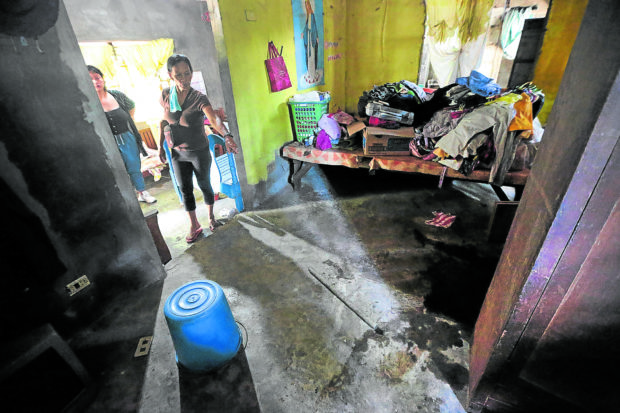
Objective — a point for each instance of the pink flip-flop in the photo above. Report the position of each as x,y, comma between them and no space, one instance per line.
193,237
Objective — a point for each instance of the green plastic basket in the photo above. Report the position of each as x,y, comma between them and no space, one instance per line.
306,116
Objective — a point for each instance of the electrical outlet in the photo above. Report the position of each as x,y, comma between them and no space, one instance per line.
144,345
77,285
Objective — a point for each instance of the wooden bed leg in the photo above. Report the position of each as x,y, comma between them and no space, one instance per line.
297,169
291,172
442,176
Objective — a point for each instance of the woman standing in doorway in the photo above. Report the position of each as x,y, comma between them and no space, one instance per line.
119,110
184,112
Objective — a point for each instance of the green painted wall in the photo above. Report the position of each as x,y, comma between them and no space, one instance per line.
358,54
384,43
263,116
562,26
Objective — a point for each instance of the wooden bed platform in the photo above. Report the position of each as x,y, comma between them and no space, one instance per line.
301,158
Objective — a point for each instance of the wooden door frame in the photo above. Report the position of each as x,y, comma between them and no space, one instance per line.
533,275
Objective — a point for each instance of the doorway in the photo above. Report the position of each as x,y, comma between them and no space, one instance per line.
133,58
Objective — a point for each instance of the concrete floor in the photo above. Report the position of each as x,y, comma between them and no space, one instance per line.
307,348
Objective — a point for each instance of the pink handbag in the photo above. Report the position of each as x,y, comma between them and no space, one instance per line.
276,68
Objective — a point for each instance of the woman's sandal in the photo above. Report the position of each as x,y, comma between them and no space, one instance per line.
194,236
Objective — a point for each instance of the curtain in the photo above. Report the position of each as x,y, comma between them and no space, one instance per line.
99,55
135,68
144,59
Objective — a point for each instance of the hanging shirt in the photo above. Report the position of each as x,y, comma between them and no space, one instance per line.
512,29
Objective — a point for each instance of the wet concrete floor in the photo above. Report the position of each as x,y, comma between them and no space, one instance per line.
313,276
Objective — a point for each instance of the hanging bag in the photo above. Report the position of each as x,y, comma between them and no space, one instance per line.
276,68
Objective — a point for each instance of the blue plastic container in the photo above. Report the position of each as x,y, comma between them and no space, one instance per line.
203,330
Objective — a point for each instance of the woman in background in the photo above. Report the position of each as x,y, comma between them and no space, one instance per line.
119,110
184,112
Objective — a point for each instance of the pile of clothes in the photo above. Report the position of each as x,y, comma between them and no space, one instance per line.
467,125
331,126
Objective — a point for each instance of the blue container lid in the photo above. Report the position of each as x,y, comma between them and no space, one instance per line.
191,299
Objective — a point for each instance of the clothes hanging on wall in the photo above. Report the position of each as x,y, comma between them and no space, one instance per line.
452,59
456,36
512,29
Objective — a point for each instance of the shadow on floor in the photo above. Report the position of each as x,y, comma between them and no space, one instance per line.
229,388
459,281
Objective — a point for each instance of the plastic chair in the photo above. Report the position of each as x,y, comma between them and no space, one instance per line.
225,162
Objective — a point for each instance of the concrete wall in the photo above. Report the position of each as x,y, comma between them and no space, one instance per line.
70,207
186,22
362,54
570,194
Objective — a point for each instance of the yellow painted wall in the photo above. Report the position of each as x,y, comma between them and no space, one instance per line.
375,41
263,116
562,27
384,43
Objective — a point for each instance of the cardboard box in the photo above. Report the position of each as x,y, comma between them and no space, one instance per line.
355,127
380,141
404,132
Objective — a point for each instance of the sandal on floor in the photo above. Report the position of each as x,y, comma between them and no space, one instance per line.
193,237
214,224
